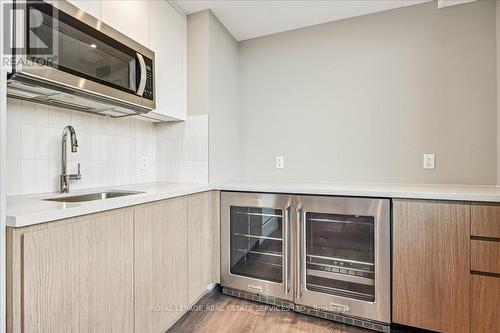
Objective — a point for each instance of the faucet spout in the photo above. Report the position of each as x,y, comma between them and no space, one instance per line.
72,133
65,177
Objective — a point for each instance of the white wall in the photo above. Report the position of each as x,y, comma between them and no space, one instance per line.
109,150
362,99
198,63
213,90
497,2
224,116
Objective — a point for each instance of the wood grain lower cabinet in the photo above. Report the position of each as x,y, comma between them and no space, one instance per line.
485,304
216,236
176,241
161,275
74,275
127,270
199,245
431,265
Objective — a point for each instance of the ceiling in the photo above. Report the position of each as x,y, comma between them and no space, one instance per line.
247,19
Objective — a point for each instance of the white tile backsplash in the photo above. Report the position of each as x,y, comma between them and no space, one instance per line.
109,150
182,150
28,142
42,182
13,177
14,142
28,176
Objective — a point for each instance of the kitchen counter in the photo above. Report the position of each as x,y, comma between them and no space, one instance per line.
32,209
403,191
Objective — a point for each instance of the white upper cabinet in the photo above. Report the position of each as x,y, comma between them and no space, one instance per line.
92,7
169,42
158,25
130,17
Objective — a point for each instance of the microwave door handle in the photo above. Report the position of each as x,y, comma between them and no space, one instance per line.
142,82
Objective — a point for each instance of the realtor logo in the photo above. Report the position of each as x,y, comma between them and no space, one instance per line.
29,30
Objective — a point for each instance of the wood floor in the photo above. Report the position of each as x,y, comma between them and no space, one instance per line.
220,313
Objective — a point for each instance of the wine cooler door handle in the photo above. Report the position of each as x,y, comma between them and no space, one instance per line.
300,251
286,252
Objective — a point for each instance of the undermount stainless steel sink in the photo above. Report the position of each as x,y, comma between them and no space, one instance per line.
94,196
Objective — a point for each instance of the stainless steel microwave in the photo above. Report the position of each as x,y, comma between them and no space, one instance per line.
66,57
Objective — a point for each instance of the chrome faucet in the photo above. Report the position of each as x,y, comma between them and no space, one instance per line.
65,177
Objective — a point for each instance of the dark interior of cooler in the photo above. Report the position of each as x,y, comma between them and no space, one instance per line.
340,252
256,243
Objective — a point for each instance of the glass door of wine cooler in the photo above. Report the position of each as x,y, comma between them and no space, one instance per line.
255,245
344,255
340,255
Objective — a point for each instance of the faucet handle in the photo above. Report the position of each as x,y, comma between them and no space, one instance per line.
77,176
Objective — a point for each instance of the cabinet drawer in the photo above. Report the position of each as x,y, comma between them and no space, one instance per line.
485,256
485,304
486,221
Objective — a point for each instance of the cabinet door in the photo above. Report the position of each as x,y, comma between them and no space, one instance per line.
78,277
431,252
92,7
130,17
199,244
485,304
169,41
160,264
216,236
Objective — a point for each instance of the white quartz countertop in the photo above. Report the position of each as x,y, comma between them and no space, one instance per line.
32,209
406,191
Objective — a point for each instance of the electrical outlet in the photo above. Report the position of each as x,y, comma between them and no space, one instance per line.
429,162
144,163
279,162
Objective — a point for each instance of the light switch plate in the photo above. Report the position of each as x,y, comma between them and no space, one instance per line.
429,161
279,162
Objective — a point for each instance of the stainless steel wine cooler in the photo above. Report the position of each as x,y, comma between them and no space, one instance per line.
324,256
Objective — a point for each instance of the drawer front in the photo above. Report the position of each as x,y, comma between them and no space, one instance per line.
485,304
486,221
485,256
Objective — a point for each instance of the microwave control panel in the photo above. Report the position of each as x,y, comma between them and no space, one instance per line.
148,91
